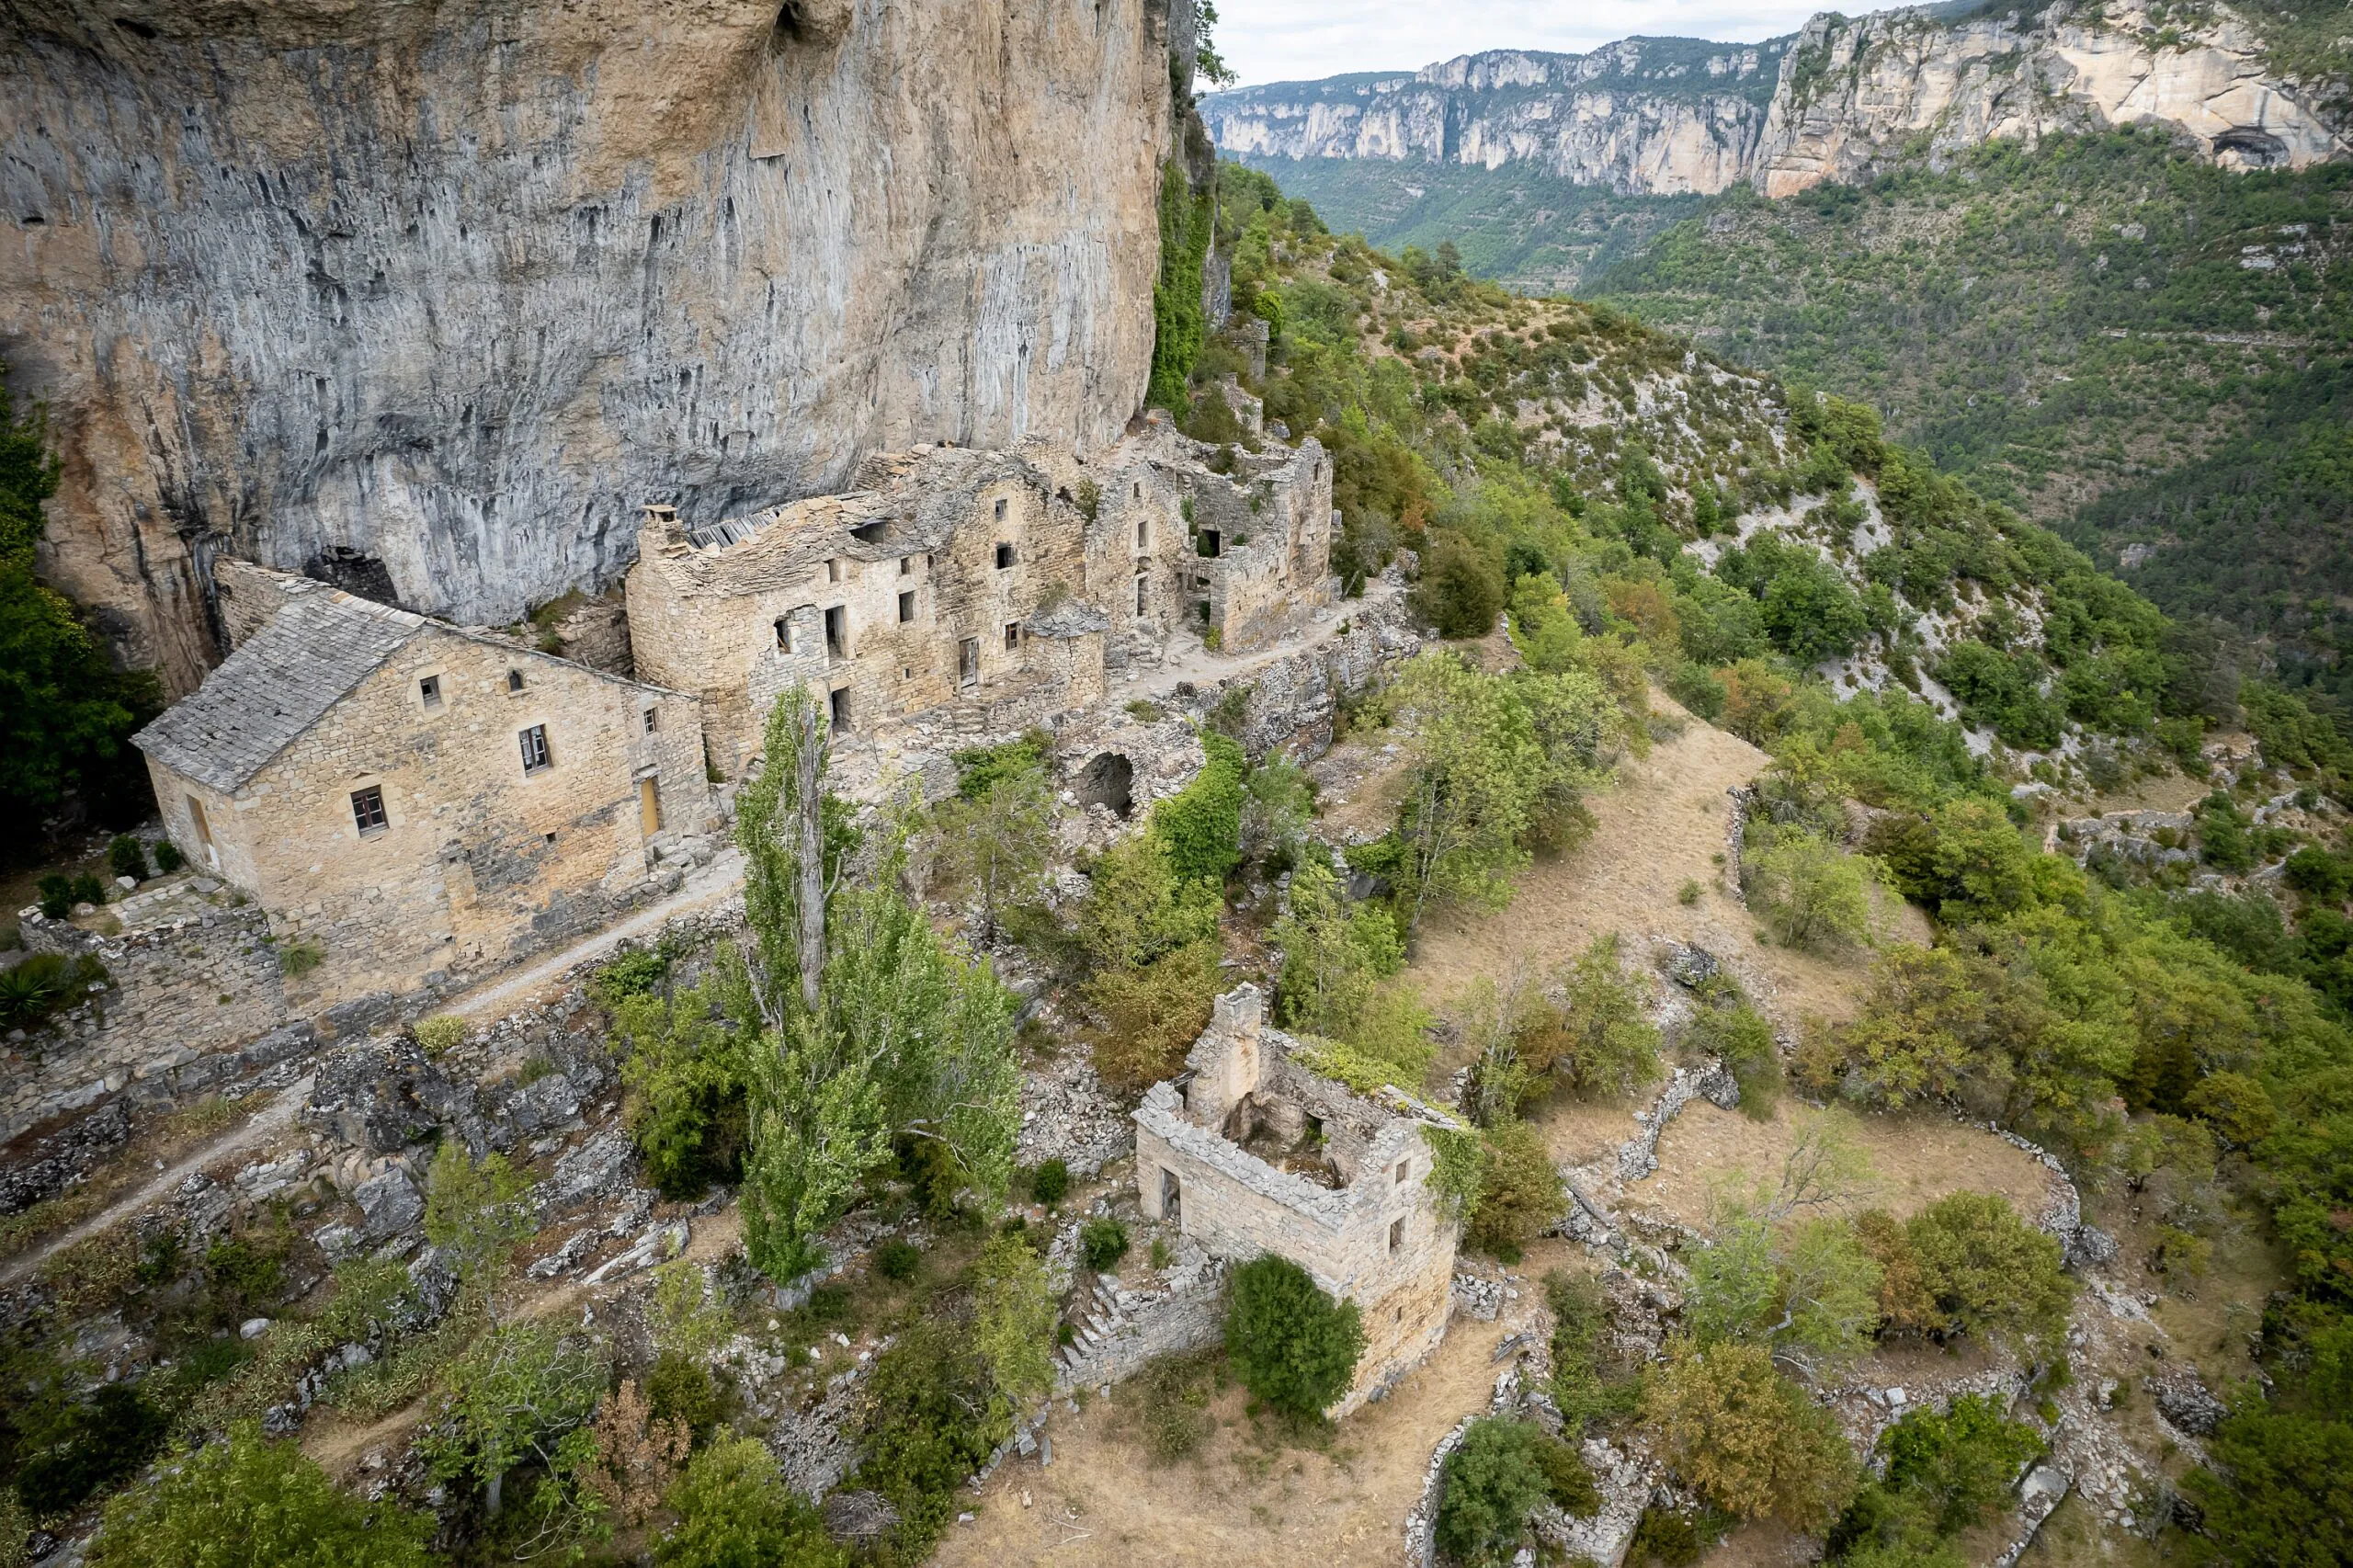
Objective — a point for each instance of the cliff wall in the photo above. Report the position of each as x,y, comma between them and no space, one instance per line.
428,297
1671,116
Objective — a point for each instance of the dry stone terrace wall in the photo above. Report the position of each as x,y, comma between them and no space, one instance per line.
181,999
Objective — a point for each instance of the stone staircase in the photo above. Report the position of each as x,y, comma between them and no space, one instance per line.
1126,1327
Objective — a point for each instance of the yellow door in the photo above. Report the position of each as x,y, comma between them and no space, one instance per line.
649,807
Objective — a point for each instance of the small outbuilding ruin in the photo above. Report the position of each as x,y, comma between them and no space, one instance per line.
1250,1151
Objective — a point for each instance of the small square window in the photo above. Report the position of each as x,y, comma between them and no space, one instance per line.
906,565
1405,1168
428,690
534,743
1000,509
1396,1234
1012,635
907,607
368,809
653,721
1003,556
514,680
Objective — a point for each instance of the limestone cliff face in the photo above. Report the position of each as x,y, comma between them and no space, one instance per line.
1851,93
429,296
1653,115
1664,116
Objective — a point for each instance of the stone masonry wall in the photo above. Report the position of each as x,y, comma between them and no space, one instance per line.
178,997
479,861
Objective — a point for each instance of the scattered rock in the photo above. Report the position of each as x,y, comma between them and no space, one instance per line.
389,1204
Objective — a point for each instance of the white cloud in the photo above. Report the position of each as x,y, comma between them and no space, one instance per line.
1281,41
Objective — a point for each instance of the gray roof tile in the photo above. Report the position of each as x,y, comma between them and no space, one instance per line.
279,684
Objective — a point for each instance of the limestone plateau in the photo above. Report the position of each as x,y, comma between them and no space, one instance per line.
429,299
1669,116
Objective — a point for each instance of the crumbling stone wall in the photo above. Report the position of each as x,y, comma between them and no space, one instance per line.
181,999
1382,1239
956,595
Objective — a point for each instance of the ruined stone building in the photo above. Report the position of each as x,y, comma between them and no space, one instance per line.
411,802
1250,1153
973,593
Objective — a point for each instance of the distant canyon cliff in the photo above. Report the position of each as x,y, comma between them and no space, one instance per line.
428,297
1673,116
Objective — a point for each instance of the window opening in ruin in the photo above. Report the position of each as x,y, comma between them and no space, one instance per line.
514,680
534,741
1139,489
906,565
203,831
968,662
1012,636
838,632
652,722
649,806
784,633
841,710
1000,516
1108,779
1396,1234
368,809
1003,556
1314,1129
1209,543
833,571
547,838
1405,1168
1143,536
907,607
1172,1197
428,690
1143,592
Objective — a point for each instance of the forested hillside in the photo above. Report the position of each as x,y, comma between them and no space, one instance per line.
2140,350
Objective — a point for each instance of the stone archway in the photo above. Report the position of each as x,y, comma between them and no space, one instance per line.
1108,779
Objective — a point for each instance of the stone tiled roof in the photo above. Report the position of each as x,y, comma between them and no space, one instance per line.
276,685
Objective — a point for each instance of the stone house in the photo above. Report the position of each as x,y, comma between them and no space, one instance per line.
968,594
1250,1151
412,802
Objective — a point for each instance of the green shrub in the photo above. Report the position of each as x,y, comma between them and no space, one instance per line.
1292,1346
688,1082
45,983
678,1388
897,1259
1103,1243
168,858
56,896
1813,894
1049,1182
637,972
736,1511
256,1504
96,1443
1738,1035
1987,1271
932,1419
1460,591
1200,825
300,957
1491,1482
126,856
1520,1192
442,1032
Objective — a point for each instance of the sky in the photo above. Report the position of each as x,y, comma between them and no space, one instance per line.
1284,40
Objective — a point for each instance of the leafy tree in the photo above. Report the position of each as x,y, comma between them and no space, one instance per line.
1520,1191
687,1079
1333,957
85,1446
1989,1272
66,715
1200,825
932,1418
2279,1490
1015,1317
517,1394
1471,793
1810,892
253,1502
1610,1047
993,846
1747,1437
1489,1486
474,1212
1811,613
1460,591
1961,1463
1294,1346
736,1511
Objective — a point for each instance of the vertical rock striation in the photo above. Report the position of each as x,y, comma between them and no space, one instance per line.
429,298
1832,101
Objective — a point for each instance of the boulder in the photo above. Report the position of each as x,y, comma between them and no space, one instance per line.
391,1204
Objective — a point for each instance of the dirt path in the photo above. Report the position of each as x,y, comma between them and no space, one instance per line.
1659,826
1240,1502
260,1127
705,886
